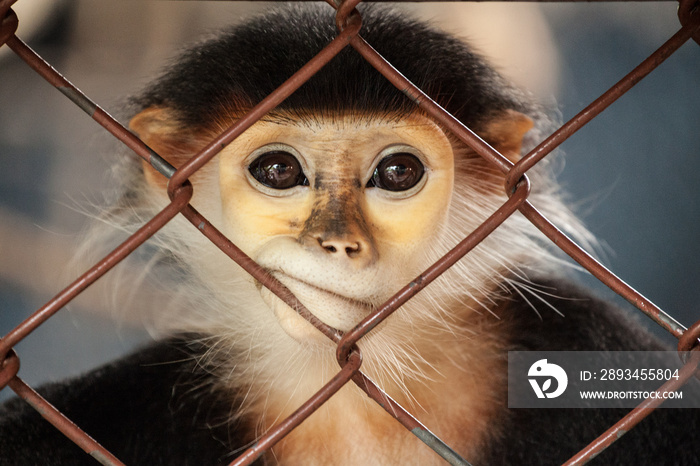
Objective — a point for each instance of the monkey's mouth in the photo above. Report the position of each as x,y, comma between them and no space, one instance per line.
337,311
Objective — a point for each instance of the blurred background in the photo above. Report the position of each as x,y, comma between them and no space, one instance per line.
632,173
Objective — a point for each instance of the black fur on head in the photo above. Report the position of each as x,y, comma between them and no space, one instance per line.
238,68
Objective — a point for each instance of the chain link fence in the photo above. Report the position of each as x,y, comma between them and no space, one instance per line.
180,192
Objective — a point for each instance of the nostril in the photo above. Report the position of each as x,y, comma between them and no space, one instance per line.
352,249
327,245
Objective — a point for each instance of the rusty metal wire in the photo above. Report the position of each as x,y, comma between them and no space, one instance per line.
349,357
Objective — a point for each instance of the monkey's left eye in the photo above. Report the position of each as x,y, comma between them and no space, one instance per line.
278,169
399,171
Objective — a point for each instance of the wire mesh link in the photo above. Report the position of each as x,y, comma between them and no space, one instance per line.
688,11
348,355
349,369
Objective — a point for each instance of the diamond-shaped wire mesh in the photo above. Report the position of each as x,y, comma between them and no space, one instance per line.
181,191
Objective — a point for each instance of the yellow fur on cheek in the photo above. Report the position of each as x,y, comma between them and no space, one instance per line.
412,221
252,218
408,223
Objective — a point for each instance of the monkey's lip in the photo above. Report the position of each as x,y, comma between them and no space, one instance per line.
335,310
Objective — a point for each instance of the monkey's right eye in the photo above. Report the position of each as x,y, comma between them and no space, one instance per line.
278,169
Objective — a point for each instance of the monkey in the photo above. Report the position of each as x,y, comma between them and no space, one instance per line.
344,193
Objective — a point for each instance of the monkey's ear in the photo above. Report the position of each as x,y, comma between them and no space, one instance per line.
159,129
505,132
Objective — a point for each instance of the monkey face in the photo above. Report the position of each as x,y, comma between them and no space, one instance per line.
344,209
330,204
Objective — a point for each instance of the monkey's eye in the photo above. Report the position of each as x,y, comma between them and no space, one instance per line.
399,171
278,169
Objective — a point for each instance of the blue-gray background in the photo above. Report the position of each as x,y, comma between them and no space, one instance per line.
631,172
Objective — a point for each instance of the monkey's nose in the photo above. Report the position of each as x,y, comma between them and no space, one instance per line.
340,245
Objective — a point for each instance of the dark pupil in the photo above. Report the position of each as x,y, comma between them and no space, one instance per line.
277,170
397,172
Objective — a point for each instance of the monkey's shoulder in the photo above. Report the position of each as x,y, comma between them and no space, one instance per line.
153,407
567,317
563,316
